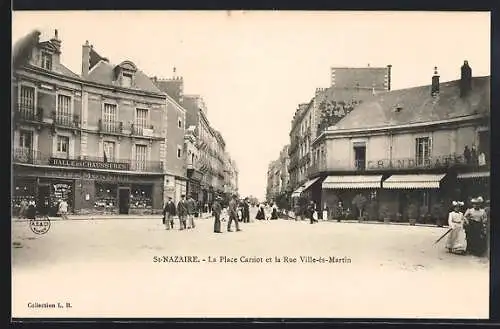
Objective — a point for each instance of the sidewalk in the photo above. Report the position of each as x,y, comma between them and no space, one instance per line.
104,217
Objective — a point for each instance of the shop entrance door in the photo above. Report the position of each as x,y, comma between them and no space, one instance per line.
123,200
43,202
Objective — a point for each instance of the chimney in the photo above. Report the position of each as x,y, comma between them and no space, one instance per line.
465,79
56,42
389,67
435,83
85,59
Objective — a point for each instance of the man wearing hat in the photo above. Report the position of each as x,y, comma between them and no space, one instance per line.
233,215
191,208
217,209
182,212
476,223
169,213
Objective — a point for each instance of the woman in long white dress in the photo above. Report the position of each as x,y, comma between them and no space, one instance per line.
456,242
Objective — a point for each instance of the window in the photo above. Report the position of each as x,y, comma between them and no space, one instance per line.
26,139
141,196
179,123
27,100
141,120
46,61
423,151
63,114
141,155
62,146
109,117
127,80
179,152
109,151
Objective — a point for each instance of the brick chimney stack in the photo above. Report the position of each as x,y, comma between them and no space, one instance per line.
56,41
435,83
465,79
86,59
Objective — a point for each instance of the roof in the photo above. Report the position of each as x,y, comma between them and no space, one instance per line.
172,87
417,105
103,73
61,69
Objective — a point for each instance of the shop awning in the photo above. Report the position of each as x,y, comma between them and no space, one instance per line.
347,182
413,181
304,187
474,175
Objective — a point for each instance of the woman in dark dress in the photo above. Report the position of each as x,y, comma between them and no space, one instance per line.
260,213
476,228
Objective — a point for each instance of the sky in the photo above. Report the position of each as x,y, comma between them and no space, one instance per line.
253,68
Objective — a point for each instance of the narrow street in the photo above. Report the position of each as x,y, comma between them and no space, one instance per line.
106,269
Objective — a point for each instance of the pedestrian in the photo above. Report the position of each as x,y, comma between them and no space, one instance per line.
182,212
274,211
217,209
475,229
246,211
23,207
260,213
31,211
310,212
63,209
456,242
233,216
191,209
325,213
168,214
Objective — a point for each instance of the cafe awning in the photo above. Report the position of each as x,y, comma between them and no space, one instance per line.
357,181
479,174
304,187
413,181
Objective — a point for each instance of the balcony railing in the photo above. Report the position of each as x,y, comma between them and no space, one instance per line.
398,164
29,156
66,120
141,130
115,127
28,113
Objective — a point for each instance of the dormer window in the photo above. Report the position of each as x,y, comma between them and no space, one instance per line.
127,80
124,74
46,61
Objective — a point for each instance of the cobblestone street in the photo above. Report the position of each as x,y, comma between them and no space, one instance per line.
105,268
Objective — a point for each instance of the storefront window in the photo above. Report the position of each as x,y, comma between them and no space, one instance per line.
61,191
24,191
106,197
141,197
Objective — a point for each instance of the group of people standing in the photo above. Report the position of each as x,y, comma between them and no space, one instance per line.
261,212
185,210
232,211
469,231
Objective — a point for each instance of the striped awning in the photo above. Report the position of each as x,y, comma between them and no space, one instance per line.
303,187
347,182
478,174
413,181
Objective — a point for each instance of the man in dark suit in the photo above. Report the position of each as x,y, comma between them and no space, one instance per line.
191,208
168,214
217,209
233,213
182,212
246,211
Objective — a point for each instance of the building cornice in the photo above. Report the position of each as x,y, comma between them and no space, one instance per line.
83,82
342,133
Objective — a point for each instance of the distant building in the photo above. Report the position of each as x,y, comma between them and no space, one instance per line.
372,78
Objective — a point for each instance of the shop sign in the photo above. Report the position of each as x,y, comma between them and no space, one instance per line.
88,164
105,177
409,163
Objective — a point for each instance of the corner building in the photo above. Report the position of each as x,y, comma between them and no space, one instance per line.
96,140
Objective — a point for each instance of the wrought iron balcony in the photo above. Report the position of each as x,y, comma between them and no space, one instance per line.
141,130
66,120
399,164
114,127
30,156
28,113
